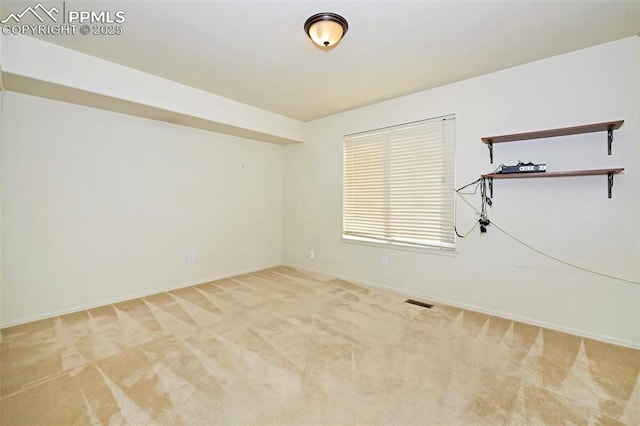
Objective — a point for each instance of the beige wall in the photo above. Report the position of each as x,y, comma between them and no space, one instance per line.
1,121
100,206
569,218
1,257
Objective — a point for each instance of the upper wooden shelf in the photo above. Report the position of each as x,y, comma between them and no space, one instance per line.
608,126
564,131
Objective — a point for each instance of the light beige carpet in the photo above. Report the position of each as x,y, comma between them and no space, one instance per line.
282,347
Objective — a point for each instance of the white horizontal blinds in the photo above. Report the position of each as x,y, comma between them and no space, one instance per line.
398,184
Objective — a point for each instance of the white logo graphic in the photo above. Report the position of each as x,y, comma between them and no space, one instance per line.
34,11
69,22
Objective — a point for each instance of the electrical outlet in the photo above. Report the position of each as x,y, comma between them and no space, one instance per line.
385,260
191,257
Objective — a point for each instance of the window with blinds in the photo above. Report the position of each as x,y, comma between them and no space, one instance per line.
399,184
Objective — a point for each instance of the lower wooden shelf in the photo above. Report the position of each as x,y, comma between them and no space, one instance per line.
592,172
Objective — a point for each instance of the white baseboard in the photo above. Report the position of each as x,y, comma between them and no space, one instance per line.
427,297
132,296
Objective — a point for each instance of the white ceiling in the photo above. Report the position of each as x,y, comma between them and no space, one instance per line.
256,52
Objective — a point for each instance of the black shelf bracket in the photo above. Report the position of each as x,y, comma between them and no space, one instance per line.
490,187
609,140
490,145
610,180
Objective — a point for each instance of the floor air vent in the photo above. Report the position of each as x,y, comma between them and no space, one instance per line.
419,303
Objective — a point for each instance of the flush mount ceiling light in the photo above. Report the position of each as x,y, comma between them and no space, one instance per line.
326,29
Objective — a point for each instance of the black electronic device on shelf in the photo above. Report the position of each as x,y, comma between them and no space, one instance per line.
523,168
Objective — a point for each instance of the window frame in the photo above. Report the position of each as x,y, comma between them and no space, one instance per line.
446,241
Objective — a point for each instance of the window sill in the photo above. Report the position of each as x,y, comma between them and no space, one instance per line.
400,246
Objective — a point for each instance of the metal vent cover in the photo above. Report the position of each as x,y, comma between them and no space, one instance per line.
419,303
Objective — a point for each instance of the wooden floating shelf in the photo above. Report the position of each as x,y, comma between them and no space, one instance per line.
608,126
564,131
592,172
